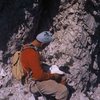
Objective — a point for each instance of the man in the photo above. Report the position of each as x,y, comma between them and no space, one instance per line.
30,59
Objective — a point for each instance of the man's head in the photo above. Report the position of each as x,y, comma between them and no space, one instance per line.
44,37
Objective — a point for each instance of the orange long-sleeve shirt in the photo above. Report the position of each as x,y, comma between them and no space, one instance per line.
30,60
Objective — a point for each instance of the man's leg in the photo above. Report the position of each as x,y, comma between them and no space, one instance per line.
51,87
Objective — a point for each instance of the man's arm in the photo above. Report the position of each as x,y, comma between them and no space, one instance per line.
35,66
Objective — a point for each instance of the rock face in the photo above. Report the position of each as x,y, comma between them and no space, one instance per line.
76,43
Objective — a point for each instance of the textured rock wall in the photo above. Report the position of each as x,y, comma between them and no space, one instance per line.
76,43
17,19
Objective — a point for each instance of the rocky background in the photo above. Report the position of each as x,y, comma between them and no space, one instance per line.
76,44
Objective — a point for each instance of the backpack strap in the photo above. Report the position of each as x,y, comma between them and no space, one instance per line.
17,59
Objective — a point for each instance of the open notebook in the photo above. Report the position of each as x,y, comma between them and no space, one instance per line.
55,69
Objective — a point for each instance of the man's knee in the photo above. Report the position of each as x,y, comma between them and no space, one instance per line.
62,93
65,92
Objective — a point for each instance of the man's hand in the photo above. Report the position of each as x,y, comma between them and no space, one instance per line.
57,77
64,80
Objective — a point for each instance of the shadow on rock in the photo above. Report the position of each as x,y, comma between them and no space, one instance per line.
12,15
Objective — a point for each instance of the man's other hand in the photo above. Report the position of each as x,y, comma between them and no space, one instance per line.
57,77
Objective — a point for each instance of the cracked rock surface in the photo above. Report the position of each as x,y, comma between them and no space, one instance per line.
76,44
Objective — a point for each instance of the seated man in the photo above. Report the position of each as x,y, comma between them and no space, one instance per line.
46,82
